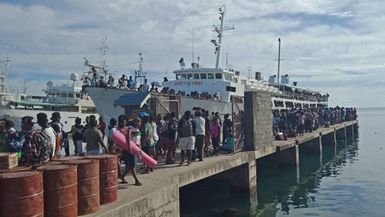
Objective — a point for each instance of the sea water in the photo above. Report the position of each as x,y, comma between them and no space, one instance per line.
347,180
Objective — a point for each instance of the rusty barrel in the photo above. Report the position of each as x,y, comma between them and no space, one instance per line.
108,174
88,185
21,194
60,190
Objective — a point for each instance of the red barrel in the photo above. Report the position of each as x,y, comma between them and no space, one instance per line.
60,190
21,194
88,185
108,177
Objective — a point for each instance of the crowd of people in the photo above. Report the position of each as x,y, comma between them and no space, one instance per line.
38,145
294,122
128,83
198,134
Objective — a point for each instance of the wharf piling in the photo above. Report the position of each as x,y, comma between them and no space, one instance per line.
159,195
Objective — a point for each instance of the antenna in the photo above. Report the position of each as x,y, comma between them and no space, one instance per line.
279,58
139,73
227,60
192,40
220,30
4,69
103,53
25,87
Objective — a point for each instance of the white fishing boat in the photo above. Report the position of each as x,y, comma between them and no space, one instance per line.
67,98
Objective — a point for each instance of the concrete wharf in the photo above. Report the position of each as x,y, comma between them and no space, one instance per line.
159,194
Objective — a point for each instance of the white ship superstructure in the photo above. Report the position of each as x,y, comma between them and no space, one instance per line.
67,98
215,89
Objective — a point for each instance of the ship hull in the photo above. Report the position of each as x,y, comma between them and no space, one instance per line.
104,99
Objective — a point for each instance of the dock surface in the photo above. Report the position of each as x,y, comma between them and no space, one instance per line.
159,194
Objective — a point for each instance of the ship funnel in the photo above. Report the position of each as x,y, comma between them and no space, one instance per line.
285,79
272,79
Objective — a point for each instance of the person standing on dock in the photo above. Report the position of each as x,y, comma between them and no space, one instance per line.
200,130
94,139
111,129
58,128
132,134
36,147
42,120
147,139
227,128
186,131
102,126
77,135
170,137
215,131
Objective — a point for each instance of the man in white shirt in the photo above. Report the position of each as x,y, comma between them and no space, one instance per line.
145,86
200,124
42,120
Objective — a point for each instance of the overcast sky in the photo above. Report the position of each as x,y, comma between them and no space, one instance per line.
333,46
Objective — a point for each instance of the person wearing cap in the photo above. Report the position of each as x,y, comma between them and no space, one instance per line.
94,139
30,152
42,120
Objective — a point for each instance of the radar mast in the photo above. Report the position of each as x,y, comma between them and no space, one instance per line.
220,30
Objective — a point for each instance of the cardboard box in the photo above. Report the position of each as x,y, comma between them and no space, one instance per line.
8,160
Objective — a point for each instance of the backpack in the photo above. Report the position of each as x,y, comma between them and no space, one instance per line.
186,128
36,148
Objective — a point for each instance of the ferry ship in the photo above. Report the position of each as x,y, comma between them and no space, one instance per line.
214,89
67,98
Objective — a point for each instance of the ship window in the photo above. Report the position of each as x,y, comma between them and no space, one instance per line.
218,76
210,76
183,76
203,76
235,80
78,95
196,76
228,77
57,94
63,95
71,95
189,76
178,77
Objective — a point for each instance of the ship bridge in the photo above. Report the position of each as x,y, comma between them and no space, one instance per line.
219,84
